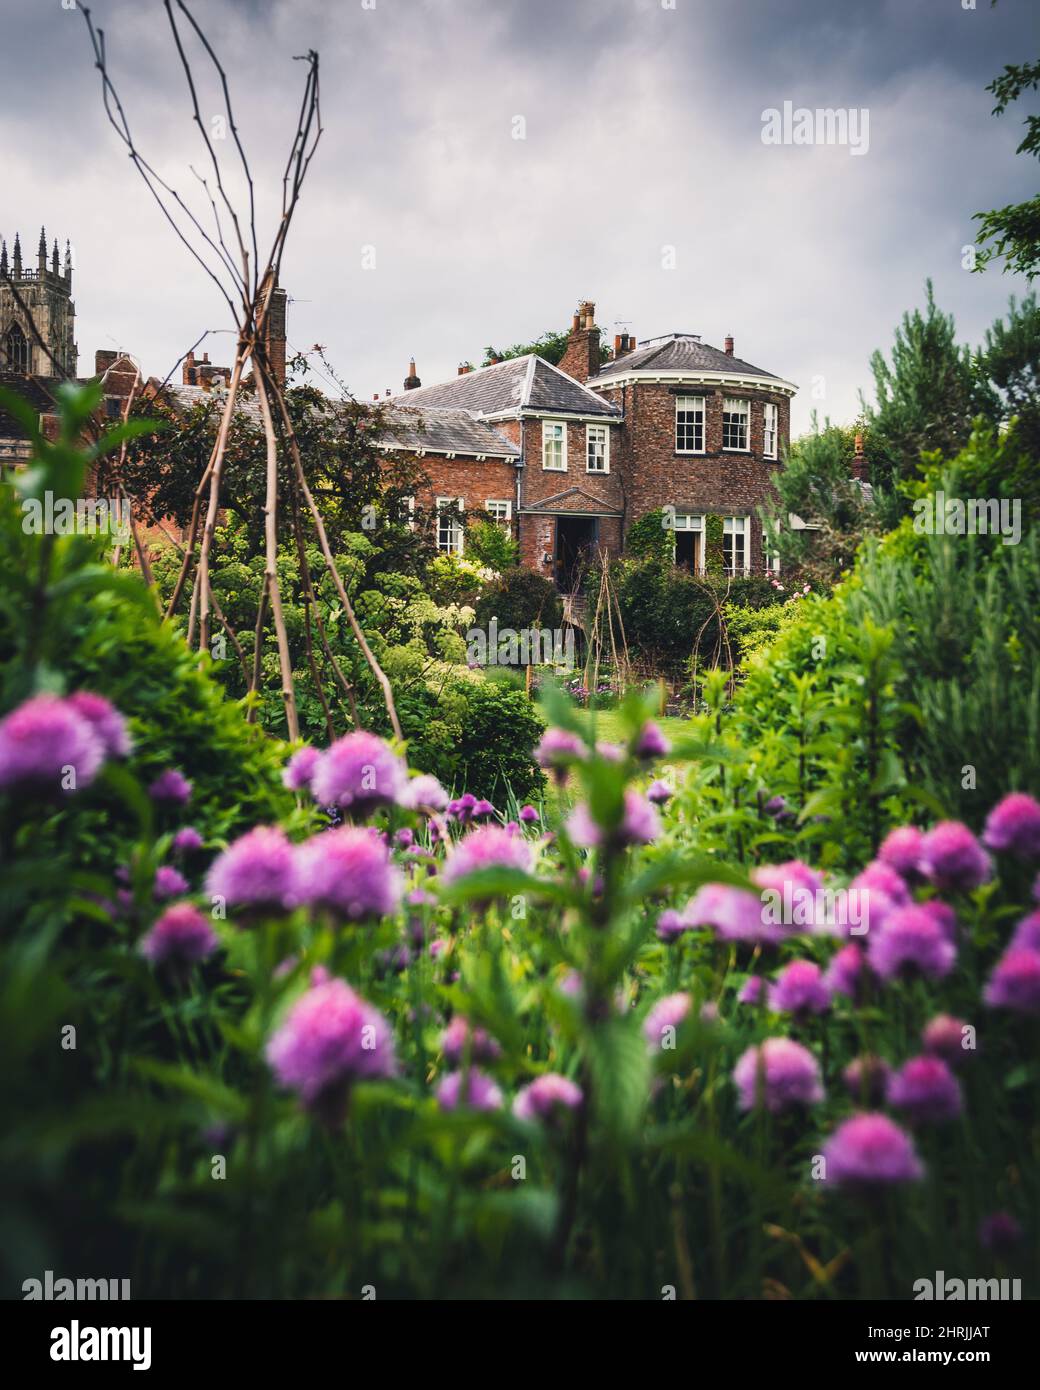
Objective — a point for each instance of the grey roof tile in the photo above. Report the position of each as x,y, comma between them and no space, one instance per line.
519,383
447,431
682,352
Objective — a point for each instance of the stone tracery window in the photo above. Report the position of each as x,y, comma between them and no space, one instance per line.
16,349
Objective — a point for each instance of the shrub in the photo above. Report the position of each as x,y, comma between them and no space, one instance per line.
520,599
495,752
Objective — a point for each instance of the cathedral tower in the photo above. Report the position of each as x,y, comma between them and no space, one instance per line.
46,294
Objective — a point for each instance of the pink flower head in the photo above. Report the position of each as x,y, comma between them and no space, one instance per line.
944,916
651,743
470,1089
658,793
171,788
788,898
460,1039
901,851
557,749
105,720
528,815
256,872
1014,826
779,1074
359,773
846,972
870,1150
348,872
546,1097
169,883
330,1038
670,925
953,859
1015,982
1027,933
187,840
866,1080
610,752
800,989
926,1090
182,935
947,1037
666,1015
911,941
751,990
487,847
45,739
640,824
424,793
734,913
300,768
880,878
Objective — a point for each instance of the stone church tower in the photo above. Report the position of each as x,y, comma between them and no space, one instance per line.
46,292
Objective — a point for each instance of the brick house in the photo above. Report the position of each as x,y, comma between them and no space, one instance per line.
569,456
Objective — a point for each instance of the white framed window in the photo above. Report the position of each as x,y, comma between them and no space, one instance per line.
688,545
769,426
449,527
735,424
689,424
735,548
409,512
500,510
597,448
554,446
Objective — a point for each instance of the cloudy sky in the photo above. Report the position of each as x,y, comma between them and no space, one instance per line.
641,180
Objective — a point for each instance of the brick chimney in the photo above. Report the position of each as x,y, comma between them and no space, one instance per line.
581,358
411,381
274,334
860,467
729,347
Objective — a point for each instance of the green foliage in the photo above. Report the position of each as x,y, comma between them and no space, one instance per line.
499,729
520,599
491,545
714,557
1012,233
649,538
1011,361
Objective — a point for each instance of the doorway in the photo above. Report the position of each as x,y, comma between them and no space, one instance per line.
575,540
688,551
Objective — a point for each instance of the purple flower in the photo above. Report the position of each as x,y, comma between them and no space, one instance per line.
557,749
735,914
910,941
1015,982
1014,826
182,935
658,793
488,847
788,898
664,1019
330,1038
460,1038
640,824
776,807
953,859
999,1232
187,840
901,851
545,1097
483,810
359,773
610,752
799,989
169,883
1027,933
300,768
257,871
926,1090
650,743
349,873
751,990
424,793
945,917
105,720
880,878
866,1080
529,815
870,1150
846,972
794,872
471,1089
947,1037
171,788
43,741
781,1073
670,925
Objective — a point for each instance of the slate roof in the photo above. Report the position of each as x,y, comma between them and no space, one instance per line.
681,352
188,397
443,431
520,383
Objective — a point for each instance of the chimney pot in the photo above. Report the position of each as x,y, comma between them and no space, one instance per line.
729,347
619,344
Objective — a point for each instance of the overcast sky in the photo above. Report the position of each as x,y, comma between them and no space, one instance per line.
642,125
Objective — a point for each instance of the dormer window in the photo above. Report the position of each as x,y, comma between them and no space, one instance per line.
735,415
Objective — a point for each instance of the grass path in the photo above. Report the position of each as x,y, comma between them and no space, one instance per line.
608,725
